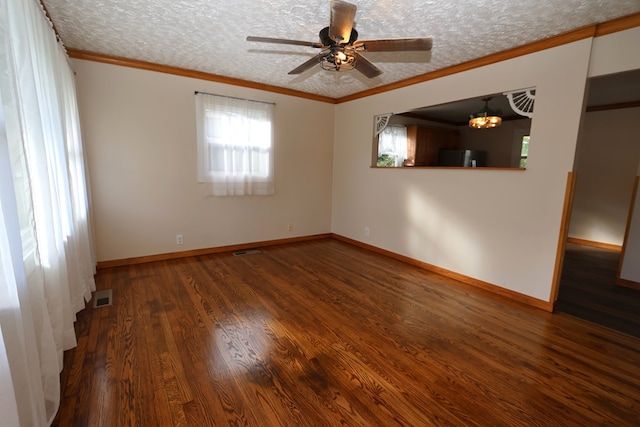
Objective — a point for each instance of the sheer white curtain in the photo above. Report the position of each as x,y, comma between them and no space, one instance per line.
235,145
392,141
46,260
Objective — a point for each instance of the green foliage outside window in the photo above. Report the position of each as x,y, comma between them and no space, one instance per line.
386,160
524,152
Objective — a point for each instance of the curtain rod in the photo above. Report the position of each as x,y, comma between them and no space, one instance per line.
234,97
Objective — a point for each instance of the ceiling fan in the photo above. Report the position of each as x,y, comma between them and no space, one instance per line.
341,47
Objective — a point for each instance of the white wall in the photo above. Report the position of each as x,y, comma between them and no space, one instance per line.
501,227
606,163
615,53
139,133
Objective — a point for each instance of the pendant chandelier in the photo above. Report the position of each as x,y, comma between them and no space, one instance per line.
486,118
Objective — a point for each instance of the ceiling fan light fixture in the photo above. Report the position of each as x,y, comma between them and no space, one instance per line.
485,119
337,60
341,48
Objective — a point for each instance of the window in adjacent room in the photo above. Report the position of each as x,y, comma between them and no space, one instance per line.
235,145
392,146
524,151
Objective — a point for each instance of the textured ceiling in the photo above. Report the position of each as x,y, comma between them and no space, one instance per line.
209,36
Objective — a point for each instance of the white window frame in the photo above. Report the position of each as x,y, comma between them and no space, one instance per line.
235,145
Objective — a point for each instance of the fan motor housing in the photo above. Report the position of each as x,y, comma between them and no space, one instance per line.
328,41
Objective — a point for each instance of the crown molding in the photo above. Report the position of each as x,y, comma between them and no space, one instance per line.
596,30
527,49
616,106
150,66
619,24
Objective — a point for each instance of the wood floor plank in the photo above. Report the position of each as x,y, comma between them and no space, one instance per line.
323,333
588,289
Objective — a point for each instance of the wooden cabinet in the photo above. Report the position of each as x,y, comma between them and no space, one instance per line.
424,142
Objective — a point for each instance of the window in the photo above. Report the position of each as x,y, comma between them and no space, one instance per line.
24,205
392,146
235,145
524,151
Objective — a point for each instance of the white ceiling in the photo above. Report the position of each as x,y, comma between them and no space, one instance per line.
209,35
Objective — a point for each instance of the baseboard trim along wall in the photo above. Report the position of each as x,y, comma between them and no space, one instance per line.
512,295
594,244
627,283
507,293
206,251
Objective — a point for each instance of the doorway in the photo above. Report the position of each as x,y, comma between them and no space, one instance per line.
607,159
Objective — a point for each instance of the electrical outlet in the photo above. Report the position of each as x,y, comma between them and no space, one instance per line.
179,239
366,231
290,227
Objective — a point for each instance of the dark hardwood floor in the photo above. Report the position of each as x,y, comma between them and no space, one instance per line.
323,333
588,289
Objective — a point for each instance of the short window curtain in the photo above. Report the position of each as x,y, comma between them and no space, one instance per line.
392,141
235,145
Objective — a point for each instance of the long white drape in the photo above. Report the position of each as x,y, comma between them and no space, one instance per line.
46,260
235,145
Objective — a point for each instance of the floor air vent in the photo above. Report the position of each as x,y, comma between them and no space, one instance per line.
102,298
247,252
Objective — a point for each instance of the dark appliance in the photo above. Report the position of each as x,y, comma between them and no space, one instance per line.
462,158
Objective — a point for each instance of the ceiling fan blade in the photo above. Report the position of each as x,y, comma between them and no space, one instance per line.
305,66
341,22
283,41
395,45
366,67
